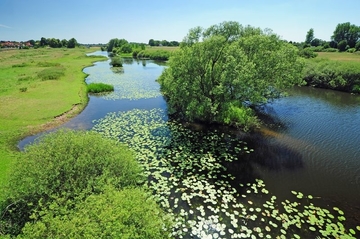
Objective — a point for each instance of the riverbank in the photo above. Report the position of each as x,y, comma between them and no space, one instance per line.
335,71
40,89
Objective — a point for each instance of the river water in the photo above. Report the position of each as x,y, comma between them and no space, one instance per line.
309,144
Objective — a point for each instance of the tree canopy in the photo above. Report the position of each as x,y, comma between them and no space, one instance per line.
78,183
346,32
309,36
220,71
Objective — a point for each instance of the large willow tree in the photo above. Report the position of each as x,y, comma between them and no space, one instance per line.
220,71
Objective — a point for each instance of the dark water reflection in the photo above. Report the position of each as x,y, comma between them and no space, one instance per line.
309,144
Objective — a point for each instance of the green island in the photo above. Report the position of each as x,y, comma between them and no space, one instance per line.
86,183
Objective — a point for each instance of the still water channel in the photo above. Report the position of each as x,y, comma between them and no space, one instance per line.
305,160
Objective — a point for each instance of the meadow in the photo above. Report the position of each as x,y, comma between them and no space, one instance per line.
39,89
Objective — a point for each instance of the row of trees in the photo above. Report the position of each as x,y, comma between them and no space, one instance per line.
116,45
346,36
56,43
153,42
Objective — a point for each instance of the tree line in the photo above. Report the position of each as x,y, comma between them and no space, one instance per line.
153,42
346,37
55,43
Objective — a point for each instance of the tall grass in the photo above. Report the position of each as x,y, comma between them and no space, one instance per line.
52,73
99,88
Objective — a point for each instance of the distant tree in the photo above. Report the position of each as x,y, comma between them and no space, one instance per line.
116,43
309,36
348,32
43,41
54,43
64,43
316,42
151,42
333,44
164,43
357,46
32,42
72,43
174,43
342,45
156,43
126,48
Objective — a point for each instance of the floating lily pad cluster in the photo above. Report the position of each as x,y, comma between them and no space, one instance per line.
129,82
187,174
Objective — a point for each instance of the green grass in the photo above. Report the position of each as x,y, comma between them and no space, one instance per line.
99,88
340,56
27,112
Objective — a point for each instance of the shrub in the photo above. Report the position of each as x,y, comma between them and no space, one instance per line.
307,53
351,50
342,45
48,64
129,213
52,73
116,61
20,65
99,87
344,76
23,89
66,165
161,55
330,50
357,46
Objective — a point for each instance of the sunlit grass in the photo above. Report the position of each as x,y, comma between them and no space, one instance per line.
25,112
340,56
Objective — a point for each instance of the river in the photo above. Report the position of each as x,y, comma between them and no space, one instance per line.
309,144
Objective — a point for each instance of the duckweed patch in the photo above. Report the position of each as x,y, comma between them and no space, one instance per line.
186,173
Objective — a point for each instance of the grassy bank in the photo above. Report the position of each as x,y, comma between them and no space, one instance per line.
36,86
334,70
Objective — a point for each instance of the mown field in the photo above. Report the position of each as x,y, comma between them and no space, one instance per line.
36,86
340,56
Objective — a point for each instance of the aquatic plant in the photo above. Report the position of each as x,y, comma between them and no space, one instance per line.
99,87
187,174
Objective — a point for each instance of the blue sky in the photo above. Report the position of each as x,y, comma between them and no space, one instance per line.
97,21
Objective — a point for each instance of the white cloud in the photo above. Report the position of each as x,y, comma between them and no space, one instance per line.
1,25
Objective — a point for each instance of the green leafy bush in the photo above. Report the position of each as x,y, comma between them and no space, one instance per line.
116,61
99,87
307,53
24,64
161,55
337,75
66,166
125,214
52,73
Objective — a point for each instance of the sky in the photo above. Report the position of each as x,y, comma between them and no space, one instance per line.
98,21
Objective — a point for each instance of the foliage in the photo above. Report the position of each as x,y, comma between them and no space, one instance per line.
342,45
72,43
66,165
23,114
52,73
153,42
346,32
357,46
337,75
309,36
160,54
224,64
116,43
116,61
307,53
99,87
129,213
